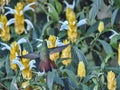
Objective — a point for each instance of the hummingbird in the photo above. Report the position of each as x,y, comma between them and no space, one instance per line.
45,63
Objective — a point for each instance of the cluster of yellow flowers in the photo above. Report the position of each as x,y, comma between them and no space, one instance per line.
66,53
52,40
18,20
15,51
111,81
4,28
72,25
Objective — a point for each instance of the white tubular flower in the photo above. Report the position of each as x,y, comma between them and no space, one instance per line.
82,22
70,5
11,21
113,34
22,40
31,64
28,7
20,65
41,73
64,25
5,46
58,42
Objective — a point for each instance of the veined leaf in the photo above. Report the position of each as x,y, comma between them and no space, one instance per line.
95,8
114,41
80,55
71,75
58,6
50,79
53,13
106,46
13,85
113,17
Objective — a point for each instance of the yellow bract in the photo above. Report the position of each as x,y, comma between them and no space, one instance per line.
119,55
111,81
72,31
101,26
13,51
81,72
19,18
52,40
4,31
26,72
66,53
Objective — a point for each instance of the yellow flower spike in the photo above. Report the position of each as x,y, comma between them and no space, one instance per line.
4,31
19,18
81,72
13,51
101,26
66,53
52,40
70,16
72,25
119,54
26,72
111,81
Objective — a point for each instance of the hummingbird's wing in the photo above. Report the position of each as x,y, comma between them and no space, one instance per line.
57,49
30,56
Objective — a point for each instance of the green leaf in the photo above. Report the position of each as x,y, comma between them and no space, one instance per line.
95,8
113,17
58,6
7,65
58,80
114,41
118,81
85,87
13,85
106,47
45,28
71,75
53,13
80,54
50,79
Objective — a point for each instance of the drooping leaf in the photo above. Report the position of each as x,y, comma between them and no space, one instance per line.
50,79
95,8
114,41
13,85
53,13
113,17
71,75
80,55
106,46
58,6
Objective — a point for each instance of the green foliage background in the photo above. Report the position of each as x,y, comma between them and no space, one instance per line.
96,50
